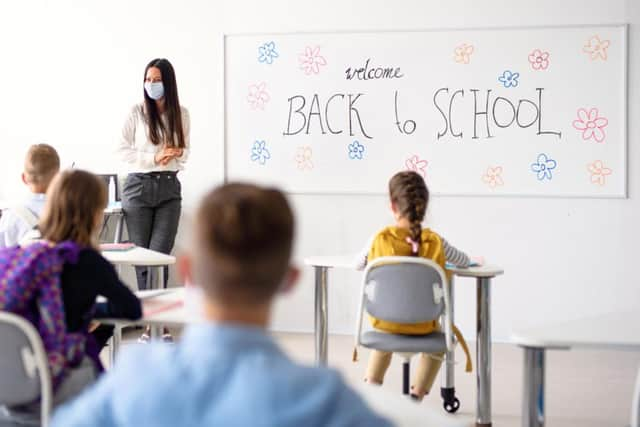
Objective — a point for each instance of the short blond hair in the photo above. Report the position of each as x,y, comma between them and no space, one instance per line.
74,200
41,164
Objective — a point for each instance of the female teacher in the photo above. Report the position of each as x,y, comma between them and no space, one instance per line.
154,146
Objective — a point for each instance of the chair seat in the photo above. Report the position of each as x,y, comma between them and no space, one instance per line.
434,342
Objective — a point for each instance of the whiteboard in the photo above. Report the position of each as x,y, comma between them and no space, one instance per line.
523,111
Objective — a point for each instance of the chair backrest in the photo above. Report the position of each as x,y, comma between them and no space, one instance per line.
635,404
404,289
23,365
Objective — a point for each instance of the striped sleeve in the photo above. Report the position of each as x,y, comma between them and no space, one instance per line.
455,256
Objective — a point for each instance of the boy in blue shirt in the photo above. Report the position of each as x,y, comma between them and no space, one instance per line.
40,166
226,371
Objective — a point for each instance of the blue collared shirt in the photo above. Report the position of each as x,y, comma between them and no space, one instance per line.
216,376
12,227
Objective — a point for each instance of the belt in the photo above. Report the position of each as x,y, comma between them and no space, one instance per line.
156,175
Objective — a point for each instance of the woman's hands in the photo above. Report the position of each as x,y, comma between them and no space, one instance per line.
167,154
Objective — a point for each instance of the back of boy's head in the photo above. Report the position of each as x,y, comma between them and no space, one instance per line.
41,164
74,199
243,242
409,193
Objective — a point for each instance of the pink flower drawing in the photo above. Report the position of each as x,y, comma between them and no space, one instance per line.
414,163
303,158
493,176
258,96
539,60
462,53
596,48
311,60
591,124
598,172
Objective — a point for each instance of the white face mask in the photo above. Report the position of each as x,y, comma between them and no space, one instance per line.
154,90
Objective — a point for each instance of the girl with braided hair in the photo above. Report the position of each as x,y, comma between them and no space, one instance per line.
409,198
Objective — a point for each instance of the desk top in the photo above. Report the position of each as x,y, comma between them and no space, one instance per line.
349,262
160,307
139,256
618,331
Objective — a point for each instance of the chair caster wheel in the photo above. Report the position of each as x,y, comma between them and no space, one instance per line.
450,403
451,406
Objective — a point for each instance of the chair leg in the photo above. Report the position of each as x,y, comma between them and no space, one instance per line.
406,369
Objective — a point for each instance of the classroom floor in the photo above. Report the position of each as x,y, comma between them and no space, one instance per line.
584,388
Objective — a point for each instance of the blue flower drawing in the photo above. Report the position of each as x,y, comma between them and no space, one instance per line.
267,53
509,79
356,150
543,167
259,152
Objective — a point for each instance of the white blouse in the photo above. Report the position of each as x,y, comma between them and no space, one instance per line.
137,151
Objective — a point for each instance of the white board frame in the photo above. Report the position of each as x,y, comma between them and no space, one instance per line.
625,117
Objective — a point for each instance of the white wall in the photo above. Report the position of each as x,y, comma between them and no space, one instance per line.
71,69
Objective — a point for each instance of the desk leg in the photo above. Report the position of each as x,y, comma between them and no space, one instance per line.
483,351
533,387
157,283
115,345
117,238
321,315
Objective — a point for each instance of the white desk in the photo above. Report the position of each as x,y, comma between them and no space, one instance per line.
139,257
619,331
483,276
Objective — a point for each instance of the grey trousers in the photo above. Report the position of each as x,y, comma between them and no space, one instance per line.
151,203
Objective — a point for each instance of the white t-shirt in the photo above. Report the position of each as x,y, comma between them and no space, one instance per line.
136,149
13,227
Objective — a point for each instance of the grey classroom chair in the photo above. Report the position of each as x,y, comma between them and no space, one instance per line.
406,290
635,404
23,366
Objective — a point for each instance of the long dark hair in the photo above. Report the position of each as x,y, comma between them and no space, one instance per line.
410,195
173,133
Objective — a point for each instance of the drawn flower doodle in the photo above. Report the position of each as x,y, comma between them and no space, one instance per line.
356,150
303,158
258,96
462,53
267,53
543,167
596,48
414,163
598,172
311,60
539,60
591,124
492,176
509,79
259,152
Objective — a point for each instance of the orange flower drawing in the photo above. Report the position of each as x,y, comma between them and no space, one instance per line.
598,172
463,53
492,176
596,48
303,158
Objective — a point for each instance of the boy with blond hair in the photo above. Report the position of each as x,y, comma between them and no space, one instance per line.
40,166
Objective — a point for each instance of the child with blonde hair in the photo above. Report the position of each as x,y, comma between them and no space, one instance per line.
41,164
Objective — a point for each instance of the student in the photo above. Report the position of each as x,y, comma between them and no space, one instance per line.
40,166
74,212
409,198
226,371
54,283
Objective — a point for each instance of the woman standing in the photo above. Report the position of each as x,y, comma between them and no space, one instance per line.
155,147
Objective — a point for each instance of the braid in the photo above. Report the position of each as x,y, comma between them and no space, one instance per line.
410,194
